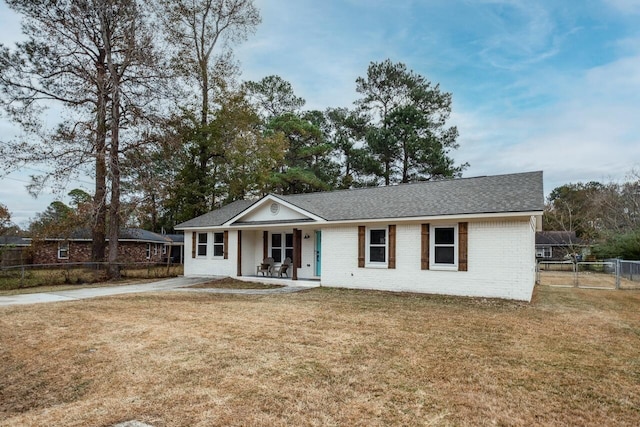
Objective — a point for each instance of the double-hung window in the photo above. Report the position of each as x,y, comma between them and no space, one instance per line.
377,246
202,244
148,253
543,252
218,244
281,244
63,250
444,246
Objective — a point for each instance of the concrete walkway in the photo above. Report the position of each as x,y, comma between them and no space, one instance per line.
174,284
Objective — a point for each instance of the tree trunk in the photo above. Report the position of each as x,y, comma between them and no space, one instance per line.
107,24
114,163
204,73
99,198
405,163
387,173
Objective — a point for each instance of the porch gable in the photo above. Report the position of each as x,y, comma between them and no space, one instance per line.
273,210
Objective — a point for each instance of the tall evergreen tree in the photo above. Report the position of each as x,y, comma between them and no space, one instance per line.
307,165
408,133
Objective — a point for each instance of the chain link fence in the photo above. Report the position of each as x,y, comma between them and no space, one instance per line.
32,275
607,274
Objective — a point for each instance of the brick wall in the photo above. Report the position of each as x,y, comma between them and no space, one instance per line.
47,252
501,262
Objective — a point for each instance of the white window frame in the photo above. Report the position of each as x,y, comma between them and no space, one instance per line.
544,252
219,244
148,253
432,248
283,245
155,249
200,244
63,247
368,245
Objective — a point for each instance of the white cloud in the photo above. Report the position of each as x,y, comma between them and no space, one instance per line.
591,133
626,6
521,33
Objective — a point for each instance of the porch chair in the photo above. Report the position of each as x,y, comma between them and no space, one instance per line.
284,267
266,268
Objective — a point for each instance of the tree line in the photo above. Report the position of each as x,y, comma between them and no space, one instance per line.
605,215
148,101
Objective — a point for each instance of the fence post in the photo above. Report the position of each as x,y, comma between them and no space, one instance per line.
575,274
617,273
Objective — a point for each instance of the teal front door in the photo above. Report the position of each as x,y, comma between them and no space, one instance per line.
318,253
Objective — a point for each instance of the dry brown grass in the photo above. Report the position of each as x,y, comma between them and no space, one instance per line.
323,357
229,283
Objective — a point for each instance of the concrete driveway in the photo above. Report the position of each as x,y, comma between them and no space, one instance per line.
76,294
174,284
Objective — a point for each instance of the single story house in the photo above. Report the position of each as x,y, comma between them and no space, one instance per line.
135,245
559,246
466,236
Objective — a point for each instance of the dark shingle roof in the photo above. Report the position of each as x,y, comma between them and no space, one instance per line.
218,216
175,238
487,194
142,235
137,234
503,193
14,241
557,238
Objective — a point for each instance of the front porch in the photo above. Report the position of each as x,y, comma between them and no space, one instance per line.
301,245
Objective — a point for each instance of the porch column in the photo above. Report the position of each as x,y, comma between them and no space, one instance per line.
239,272
297,252
265,244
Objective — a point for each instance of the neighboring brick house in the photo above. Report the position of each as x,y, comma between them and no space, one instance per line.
135,245
559,245
468,236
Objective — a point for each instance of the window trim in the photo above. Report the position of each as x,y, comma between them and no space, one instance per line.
542,251
218,244
148,251
368,245
61,246
200,244
283,245
432,248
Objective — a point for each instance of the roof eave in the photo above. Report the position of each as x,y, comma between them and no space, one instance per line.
449,217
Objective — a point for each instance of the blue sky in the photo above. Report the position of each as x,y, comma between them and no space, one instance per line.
537,85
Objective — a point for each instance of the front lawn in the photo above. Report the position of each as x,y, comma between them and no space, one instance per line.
323,357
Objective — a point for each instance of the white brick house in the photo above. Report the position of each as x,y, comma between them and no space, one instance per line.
467,236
